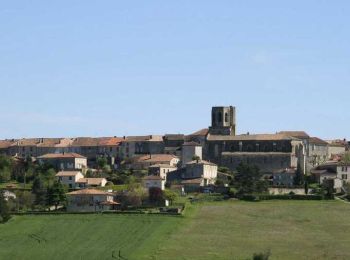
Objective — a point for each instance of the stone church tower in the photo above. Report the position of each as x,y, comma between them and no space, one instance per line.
223,121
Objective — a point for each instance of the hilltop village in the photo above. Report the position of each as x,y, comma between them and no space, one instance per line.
205,161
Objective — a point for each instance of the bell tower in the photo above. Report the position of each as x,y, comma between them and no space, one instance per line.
223,121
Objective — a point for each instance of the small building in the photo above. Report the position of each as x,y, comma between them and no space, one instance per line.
201,169
153,181
161,170
64,161
284,178
90,200
189,151
69,178
339,172
193,185
91,182
145,161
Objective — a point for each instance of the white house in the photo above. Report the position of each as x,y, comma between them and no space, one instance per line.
64,161
75,180
91,182
90,200
69,178
161,170
201,169
339,172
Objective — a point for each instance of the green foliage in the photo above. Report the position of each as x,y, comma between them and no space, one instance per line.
346,157
4,209
56,194
25,200
299,176
170,195
101,162
248,179
6,168
195,158
155,195
219,182
38,189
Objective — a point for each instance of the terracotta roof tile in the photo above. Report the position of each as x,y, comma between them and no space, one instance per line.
61,156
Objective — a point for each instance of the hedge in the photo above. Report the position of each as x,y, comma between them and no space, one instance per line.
250,197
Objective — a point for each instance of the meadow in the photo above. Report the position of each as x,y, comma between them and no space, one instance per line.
209,230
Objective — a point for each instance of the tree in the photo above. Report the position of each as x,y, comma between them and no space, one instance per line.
248,179
170,195
195,158
5,174
4,209
299,176
38,189
6,167
101,162
56,194
155,195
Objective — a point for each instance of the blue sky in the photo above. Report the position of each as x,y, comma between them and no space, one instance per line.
104,68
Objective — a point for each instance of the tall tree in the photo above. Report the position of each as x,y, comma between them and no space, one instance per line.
56,194
299,176
38,189
249,180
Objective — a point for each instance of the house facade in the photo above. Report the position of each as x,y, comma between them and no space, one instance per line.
200,169
64,161
90,200
153,181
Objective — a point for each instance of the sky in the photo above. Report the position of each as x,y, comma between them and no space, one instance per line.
73,68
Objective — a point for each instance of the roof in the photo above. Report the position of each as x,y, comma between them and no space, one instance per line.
174,137
192,181
286,171
61,156
109,203
149,138
254,153
91,181
5,144
162,165
85,141
201,162
90,192
316,140
110,141
191,144
296,134
67,173
153,177
249,137
161,158
202,132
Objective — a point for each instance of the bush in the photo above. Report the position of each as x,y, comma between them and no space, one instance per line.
290,197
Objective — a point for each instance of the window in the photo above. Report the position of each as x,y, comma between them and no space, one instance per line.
226,117
344,176
219,117
240,146
70,178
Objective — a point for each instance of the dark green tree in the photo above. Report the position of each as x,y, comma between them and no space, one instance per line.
4,209
38,189
56,194
299,176
249,180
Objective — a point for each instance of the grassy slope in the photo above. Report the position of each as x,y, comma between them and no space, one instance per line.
222,230
290,229
83,236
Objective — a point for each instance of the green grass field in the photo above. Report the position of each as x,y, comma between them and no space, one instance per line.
215,230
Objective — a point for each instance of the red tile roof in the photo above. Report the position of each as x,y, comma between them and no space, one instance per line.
61,155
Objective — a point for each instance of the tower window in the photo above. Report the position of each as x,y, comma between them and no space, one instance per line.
219,117
226,117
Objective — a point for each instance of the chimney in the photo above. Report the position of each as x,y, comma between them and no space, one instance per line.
150,156
124,137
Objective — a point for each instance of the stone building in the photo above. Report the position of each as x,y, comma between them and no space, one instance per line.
189,151
223,121
200,169
64,161
161,170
